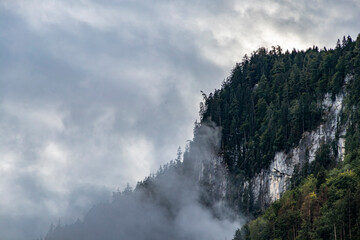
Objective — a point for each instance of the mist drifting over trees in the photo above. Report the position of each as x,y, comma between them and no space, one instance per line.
175,203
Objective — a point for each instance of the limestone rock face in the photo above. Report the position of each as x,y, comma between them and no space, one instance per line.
268,185
271,183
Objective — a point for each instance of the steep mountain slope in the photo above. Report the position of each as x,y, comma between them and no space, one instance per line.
276,110
278,118
270,183
324,200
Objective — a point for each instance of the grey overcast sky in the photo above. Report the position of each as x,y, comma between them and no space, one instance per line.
95,94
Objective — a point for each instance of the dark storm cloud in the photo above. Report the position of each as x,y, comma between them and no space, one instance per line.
94,94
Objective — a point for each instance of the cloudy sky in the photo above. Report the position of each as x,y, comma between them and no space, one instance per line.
95,94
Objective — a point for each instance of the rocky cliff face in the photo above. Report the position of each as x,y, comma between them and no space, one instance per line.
271,183
268,185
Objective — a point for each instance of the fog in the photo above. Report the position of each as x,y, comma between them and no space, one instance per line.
95,94
171,204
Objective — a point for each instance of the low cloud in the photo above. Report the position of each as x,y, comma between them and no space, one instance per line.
170,205
82,83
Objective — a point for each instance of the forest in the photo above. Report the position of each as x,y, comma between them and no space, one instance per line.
323,202
271,98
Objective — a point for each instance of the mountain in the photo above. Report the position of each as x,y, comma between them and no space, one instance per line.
278,147
322,173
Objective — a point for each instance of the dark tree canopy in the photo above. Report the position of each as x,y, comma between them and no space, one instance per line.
271,98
